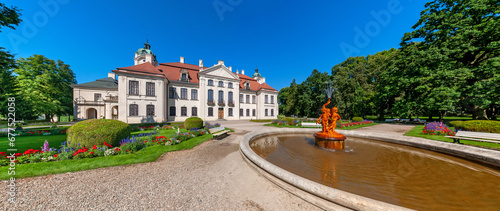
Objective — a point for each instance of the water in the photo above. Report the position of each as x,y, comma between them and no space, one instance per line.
400,175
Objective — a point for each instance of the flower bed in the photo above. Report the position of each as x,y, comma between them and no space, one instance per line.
350,124
287,123
127,146
437,128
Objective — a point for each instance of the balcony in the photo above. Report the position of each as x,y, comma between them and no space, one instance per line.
230,103
111,99
221,103
210,103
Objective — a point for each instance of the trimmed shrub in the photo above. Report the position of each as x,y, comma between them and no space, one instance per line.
357,119
281,116
97,131
193,122
489,126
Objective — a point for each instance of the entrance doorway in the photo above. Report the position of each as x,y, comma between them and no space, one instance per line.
221,113
91,113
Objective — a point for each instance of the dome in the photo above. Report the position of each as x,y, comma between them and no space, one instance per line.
144,51
256,74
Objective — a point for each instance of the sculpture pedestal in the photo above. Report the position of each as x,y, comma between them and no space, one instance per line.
329,141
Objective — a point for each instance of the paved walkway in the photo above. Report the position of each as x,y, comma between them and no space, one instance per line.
212,176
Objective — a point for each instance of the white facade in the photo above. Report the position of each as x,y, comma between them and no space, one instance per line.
172,92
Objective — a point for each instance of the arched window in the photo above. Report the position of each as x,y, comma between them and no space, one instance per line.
253,112
210,82
184,111
194,111
210,111
150,110
221,84
172,110
210,95
230,85
133,110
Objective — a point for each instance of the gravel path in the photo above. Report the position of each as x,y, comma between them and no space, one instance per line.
212,176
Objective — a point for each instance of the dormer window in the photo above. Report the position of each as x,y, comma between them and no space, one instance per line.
184,76
247,86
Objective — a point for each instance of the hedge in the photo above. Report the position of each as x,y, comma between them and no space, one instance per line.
489,126
97,131
193,122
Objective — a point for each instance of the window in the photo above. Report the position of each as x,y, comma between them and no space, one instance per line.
221,95
97,96
253,112
265,100
272,112
253,100
184,111
248,98
221,84
247,86
210,95
241,112
184,77
248,112
171,92
184,93
265,112
210,111
210,82
194,94
172,110
230,85
150,89
194,111
230,97
150,110
133,87
272,100
241,98
230,112
133,110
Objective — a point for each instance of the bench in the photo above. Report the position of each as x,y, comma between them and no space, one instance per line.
389,120
476,136
311,124
218,132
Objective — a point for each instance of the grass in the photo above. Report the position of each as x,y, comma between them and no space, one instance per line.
149,154
357,126
262,120
24,143
417,132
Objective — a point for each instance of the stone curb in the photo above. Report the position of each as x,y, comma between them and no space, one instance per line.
333,195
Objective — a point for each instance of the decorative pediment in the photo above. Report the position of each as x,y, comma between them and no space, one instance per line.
220,71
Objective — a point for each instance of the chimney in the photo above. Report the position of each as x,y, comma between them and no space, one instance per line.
182,60
243,72
220,62
200,63
230,68
112,75
237,72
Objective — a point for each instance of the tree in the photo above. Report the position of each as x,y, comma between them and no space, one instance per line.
9,17
45,84
465,36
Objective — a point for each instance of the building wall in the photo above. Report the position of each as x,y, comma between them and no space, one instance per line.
142,100
179,103
86,98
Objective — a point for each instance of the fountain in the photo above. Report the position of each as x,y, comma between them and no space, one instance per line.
328,138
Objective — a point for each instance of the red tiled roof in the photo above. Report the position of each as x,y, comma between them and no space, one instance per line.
172,71
143,68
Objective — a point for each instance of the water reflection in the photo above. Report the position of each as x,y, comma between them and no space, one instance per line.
400,175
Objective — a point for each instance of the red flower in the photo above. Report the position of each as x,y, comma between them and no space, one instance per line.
17,154
91,153
127,150
117,149
94,147
108,145
55,156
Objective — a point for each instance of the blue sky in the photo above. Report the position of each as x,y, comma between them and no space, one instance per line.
283,39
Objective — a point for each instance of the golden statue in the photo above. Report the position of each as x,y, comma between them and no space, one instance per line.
328,138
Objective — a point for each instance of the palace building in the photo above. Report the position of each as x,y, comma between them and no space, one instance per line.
170,92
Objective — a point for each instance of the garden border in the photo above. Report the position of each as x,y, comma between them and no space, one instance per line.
318,194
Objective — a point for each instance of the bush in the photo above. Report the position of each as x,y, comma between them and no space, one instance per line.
97,131
357,119
288,119
489,126
193,122
281,116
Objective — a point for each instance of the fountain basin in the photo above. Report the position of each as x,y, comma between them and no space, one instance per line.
345,198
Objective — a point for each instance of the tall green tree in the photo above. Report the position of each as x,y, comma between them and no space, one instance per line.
45,84
458,40
9,17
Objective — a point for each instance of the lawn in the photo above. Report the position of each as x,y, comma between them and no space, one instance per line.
417,132
357,126
148,154
24,143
